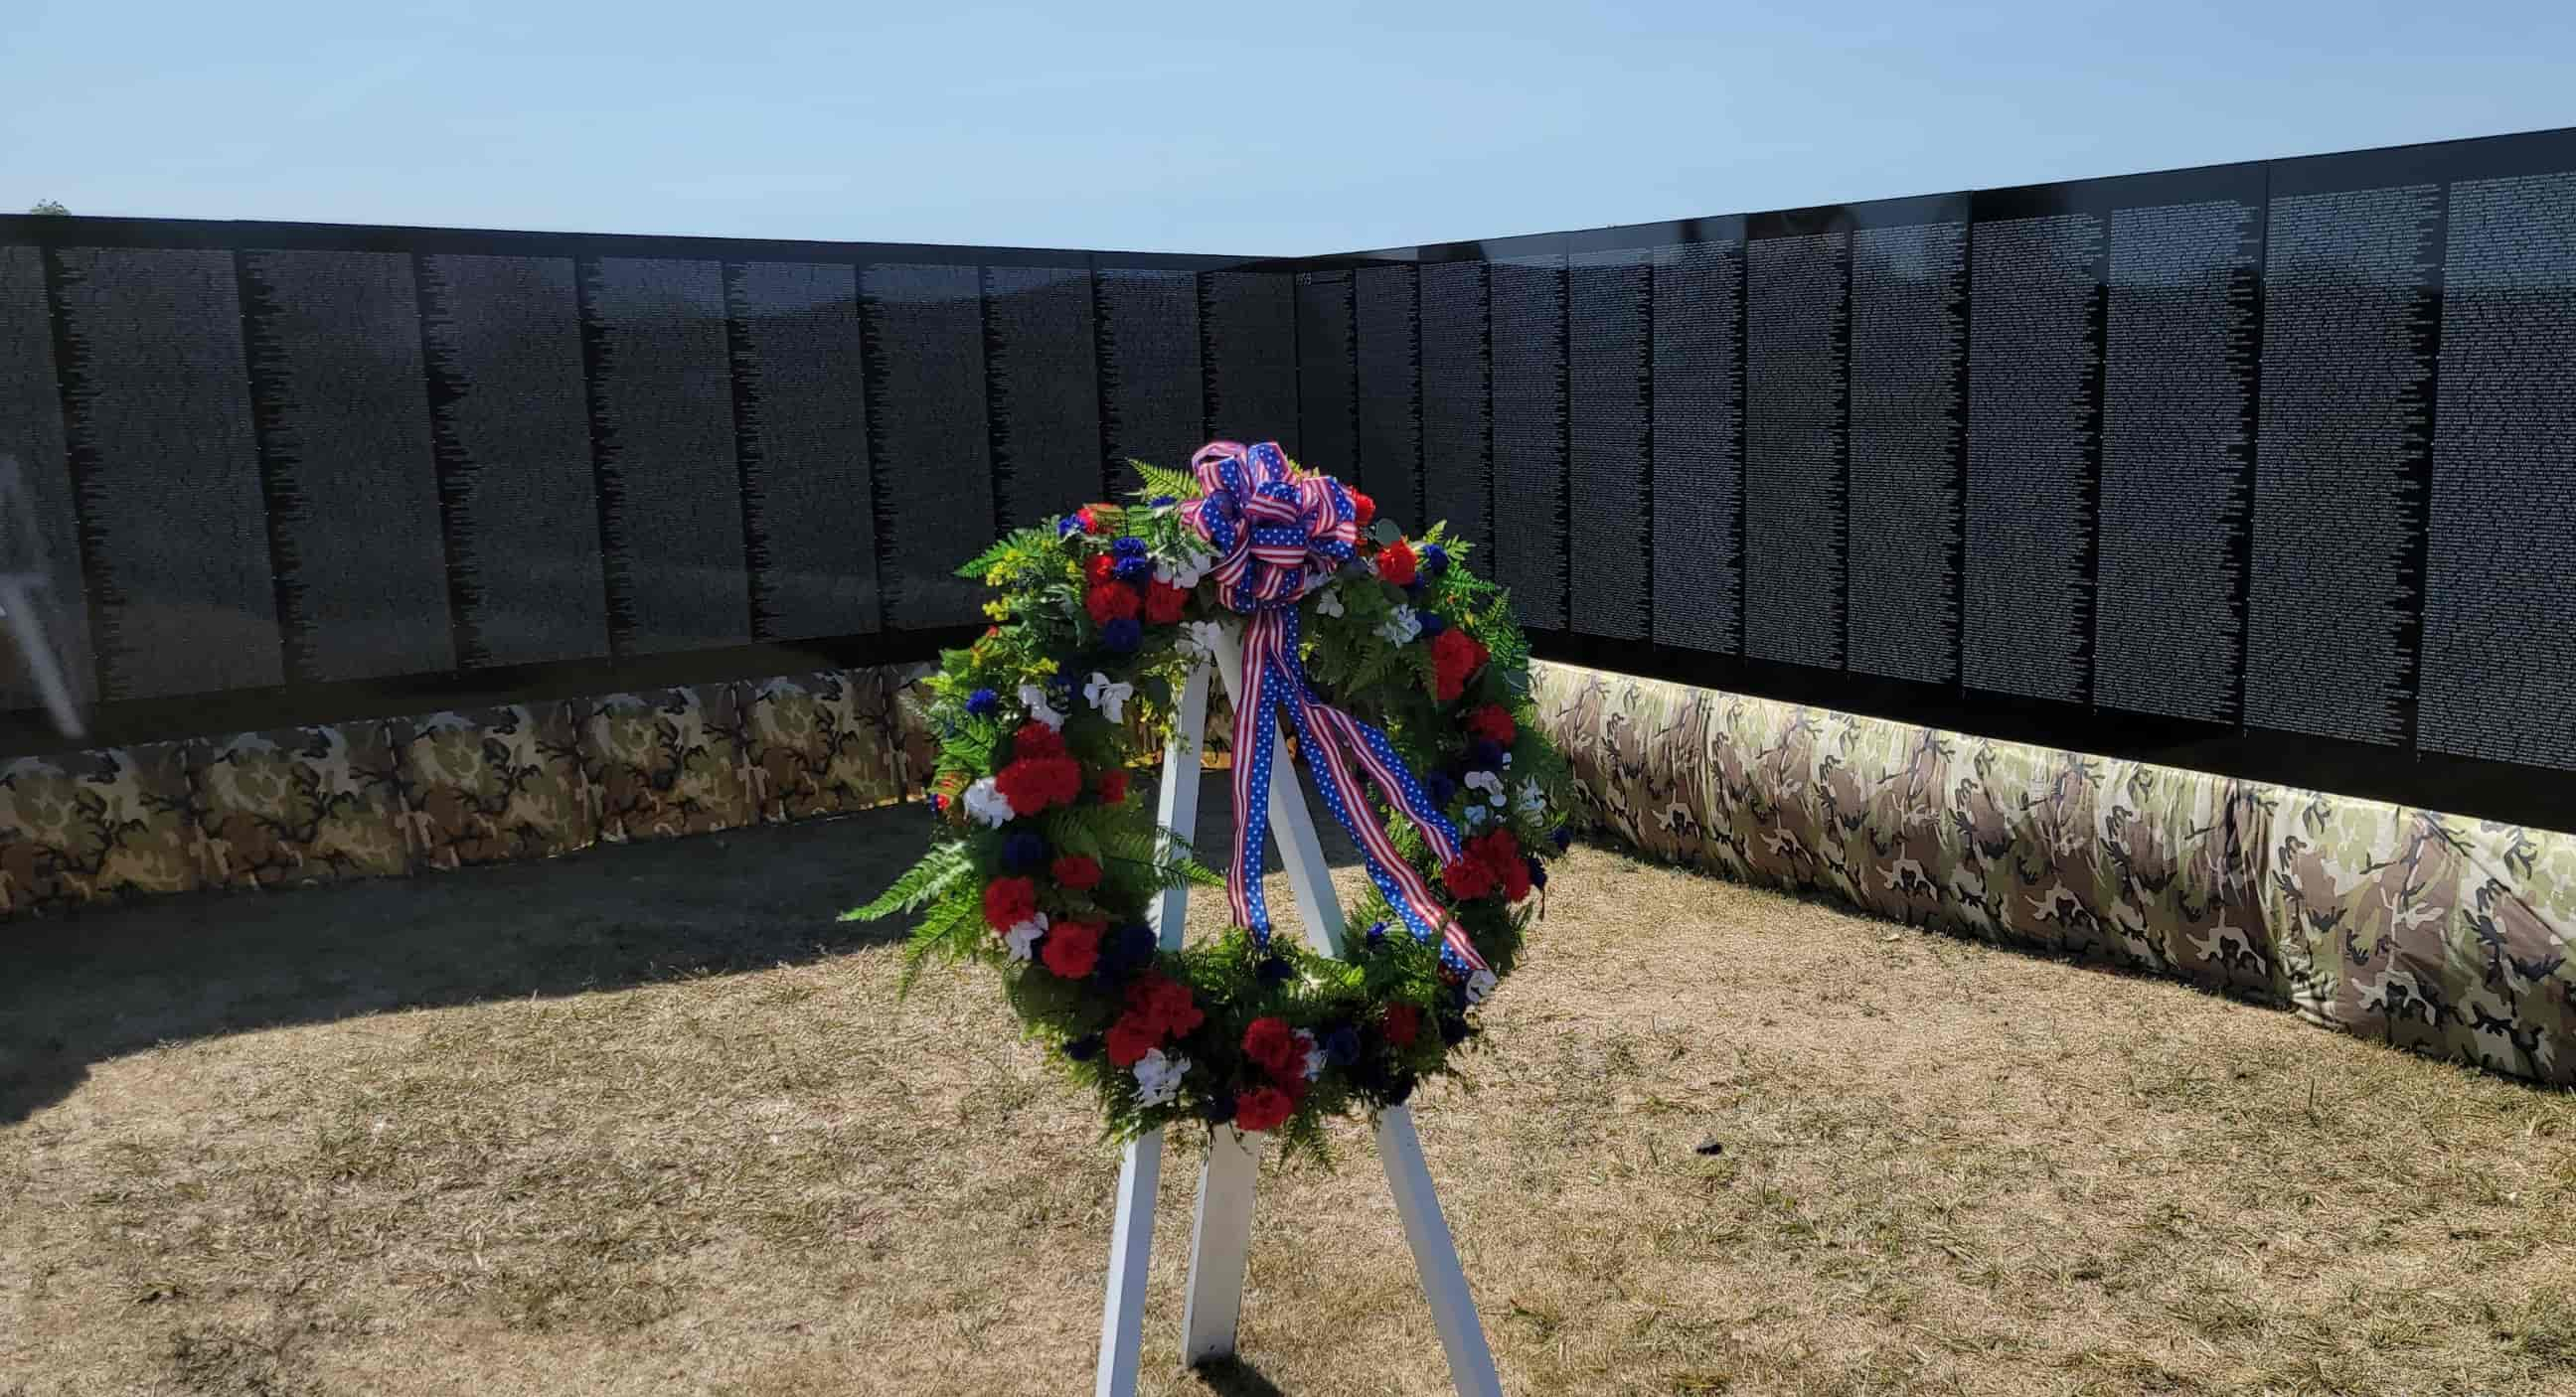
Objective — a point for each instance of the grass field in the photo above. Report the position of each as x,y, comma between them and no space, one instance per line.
648,1121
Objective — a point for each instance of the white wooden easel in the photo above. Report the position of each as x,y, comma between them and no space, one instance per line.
1221,1235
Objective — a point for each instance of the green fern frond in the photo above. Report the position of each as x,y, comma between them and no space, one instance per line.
941,867
986,561
1180,485
937,935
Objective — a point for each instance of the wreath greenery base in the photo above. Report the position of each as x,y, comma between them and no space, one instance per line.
1046,856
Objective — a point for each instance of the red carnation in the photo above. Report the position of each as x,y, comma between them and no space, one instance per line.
1399,1023
1262,1108
1009,902
1130,1040
1165,1005
1272,1044
1072,948
1395,562
1034,783
1491,722
1163,603
1110,601
1363,509
1455,658
1079,872
1090,520
1468,877
1101,568
1113,785
1490,863
1037,740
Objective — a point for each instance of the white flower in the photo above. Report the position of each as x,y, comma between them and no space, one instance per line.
1202,637
1533,800
1019,939
1158,1078
984,802
1184,572
1034,699
1401,626
1315,1058
1488,782
1479,985
1110,699
1330,603
1473,816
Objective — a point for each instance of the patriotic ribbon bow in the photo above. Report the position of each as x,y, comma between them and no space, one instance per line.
1279,533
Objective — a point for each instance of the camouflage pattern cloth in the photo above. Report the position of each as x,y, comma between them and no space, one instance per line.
916,746
303,806
667,763
92,827
2424,930
822,744
2446,935
494,785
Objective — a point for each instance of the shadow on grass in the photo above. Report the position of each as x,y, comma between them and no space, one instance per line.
90,988
1232,1377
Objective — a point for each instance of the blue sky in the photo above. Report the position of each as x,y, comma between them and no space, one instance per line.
1248,129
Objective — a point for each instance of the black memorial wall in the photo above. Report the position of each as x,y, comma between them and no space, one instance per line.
303,473
2266,468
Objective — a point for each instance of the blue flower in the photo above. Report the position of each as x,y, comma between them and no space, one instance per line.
1440,788
1564,838
1453,1031
1376,935
1158,501
1342,1045
1219,1109
1128,546
1435,559
1135,569
1084,1048
1484,755
1067,527
1125,951
1024,850
1272,971
1123,634
983,703
1414,588
1538,873
1432,625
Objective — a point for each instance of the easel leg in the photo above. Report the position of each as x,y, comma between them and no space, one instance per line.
1131,1249
1435,1256
1220,1243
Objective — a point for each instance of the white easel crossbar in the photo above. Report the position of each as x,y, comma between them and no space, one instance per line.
1221,1232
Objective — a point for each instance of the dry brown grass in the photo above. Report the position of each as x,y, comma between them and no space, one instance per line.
734,1166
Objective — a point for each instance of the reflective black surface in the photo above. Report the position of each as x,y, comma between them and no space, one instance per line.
2266,468
294,473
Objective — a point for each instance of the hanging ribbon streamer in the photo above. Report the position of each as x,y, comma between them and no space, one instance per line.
1278,534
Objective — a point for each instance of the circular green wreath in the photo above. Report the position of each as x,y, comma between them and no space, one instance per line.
1046,856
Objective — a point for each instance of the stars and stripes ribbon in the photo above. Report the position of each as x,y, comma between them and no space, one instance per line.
1279,533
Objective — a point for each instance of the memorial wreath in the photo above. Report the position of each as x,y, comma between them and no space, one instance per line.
1379,656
